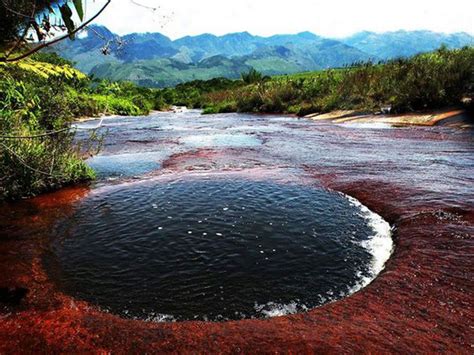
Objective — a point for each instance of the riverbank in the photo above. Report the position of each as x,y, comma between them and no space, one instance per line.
453,117
459,118
172,109
428,81
39,99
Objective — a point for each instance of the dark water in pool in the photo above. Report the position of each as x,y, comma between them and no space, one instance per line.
213,249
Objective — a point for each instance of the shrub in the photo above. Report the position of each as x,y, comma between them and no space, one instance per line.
430,80
31,166
253,76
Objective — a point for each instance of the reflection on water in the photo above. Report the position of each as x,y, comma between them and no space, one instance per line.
125,165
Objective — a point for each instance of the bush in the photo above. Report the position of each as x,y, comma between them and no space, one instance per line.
45,94
430,80
222,107
31,166
253,76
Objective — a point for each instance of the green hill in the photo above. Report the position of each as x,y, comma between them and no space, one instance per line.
154,60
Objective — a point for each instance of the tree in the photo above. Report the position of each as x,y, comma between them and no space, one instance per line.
40,23
253,76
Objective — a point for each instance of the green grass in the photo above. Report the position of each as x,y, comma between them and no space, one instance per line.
426,81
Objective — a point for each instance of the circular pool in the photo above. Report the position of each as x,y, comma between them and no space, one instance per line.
216,249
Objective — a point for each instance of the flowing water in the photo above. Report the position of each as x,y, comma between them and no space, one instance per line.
234,216
213,248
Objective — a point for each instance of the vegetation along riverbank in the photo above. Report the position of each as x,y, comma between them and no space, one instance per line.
39,98
42,95
426,81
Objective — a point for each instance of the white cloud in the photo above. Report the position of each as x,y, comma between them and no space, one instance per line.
332,18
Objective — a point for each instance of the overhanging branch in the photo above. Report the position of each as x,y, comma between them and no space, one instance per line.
59,39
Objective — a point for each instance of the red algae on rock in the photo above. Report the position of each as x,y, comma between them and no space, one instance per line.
417,179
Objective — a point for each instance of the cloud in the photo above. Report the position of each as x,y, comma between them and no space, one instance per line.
334,18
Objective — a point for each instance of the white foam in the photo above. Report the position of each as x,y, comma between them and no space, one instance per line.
159,318
379,245
272,309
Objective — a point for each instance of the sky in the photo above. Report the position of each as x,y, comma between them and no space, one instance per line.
330,18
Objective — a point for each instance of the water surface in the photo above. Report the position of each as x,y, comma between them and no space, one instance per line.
216,248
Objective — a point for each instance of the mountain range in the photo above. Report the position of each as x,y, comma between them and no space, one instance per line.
154,60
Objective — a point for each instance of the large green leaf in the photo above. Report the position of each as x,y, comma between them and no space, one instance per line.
66,15
79,9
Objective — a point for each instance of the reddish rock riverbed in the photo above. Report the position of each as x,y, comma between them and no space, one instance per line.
420,179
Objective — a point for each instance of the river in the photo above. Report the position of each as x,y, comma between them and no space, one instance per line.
412,185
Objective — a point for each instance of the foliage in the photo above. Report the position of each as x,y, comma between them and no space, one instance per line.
253,76
30,166
39,22
38,97
430,80
47,70
193,94
51,58
19,15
